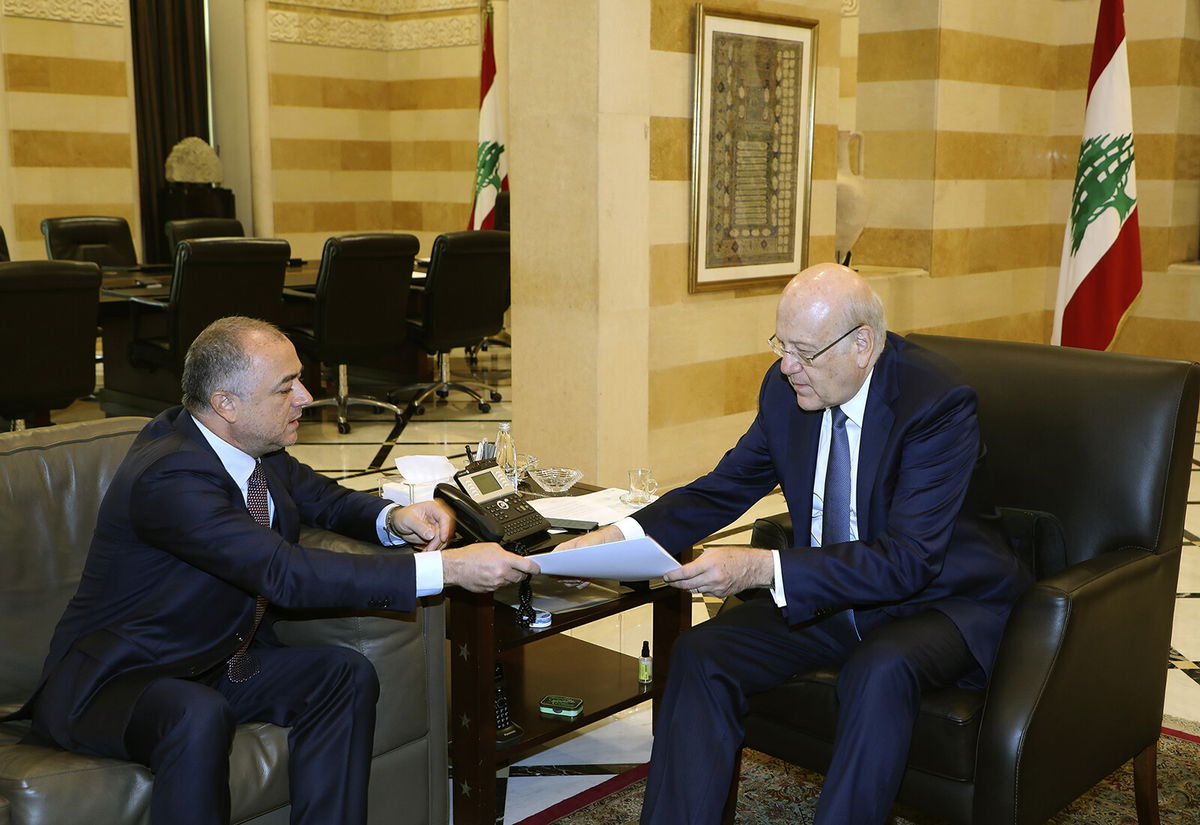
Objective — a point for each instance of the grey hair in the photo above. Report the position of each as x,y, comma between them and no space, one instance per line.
864,306
219,358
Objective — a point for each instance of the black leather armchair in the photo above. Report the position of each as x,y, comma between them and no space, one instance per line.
188,228
106,241
1089,455
52,481
47,334
466,293
362,291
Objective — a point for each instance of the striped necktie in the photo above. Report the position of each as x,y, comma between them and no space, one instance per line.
835,518
243,664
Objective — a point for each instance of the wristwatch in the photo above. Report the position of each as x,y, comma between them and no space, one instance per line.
387,524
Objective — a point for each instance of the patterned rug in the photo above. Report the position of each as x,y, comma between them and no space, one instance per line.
773,791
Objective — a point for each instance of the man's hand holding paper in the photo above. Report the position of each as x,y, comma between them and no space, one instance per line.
723,571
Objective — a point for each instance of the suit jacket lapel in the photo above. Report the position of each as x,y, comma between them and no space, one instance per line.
877,424
804,437
287,519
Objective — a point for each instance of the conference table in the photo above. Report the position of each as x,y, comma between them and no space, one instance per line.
153,281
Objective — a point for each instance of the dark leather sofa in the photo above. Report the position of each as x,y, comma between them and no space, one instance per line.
1089,456
51,484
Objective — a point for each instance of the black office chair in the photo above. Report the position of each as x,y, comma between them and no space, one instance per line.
48,335
3,247
189,228
106,241
361,295
466,292
502,338
1089,454
214,278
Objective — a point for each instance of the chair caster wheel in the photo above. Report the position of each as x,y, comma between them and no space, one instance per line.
443,394
497,396
343,427
485,407
420,410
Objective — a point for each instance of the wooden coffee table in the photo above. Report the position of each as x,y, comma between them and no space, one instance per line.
537,662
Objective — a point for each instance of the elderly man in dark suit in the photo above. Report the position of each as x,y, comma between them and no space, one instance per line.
895,574
162,650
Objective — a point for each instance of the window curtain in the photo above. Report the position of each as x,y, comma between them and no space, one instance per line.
171,94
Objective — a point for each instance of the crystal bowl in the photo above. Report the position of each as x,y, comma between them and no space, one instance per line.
555,479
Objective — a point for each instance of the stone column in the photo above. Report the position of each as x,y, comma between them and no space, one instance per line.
579,170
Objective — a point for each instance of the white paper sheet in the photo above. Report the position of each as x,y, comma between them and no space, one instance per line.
628,560
603,506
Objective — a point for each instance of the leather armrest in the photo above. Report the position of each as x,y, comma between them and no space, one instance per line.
1094,637
405,648
772,532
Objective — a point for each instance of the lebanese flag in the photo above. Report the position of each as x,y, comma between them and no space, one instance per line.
1101,271
491,166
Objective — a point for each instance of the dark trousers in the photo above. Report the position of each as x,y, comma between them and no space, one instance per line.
751,648
182,730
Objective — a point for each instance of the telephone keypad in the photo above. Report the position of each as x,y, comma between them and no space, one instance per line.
518,518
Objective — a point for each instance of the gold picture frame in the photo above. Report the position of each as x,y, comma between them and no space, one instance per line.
752,138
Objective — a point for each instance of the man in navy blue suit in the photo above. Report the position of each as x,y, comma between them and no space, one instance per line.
905,585
162,650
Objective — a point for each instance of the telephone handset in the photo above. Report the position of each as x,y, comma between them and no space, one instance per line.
489,509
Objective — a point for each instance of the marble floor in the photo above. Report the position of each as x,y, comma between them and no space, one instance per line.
590,755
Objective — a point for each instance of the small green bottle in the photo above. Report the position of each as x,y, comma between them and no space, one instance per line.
645,665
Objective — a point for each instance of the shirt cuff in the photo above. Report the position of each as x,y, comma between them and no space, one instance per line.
630,528
429,572
385,536
777,591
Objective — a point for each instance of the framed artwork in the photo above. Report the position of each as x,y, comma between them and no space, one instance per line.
752,138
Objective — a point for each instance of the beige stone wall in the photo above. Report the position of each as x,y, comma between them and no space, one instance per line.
707,352
68,137
373,118
603,323
972,114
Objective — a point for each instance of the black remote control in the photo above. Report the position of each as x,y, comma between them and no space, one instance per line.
572,524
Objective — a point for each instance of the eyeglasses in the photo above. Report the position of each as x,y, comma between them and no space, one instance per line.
779,349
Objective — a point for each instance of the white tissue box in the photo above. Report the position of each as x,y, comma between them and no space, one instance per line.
398,491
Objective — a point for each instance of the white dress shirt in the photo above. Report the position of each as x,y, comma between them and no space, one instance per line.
240,465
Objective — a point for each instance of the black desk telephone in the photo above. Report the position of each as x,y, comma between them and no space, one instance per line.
489,509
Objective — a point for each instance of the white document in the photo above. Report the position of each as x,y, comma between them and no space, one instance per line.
603,506
628,560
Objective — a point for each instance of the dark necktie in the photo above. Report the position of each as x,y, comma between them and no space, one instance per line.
835,504
243,664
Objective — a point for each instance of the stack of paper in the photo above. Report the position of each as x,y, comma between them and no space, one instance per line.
602,506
